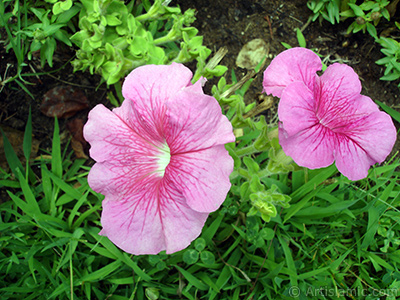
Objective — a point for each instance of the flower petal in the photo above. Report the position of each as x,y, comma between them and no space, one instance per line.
296,64
202,176
121,153
311,148
335,93
196,122
365,143
154,219
296,108
149,88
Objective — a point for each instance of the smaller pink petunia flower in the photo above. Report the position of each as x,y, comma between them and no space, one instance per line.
160,160
325,118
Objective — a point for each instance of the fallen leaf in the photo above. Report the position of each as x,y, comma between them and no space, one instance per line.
63,102
78,143
252,53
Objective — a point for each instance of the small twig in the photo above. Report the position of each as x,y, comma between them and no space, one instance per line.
238,84
267,103
34,72
270,26
305,25
229,265
74,84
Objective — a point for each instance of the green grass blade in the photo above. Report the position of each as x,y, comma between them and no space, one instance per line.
47,189
210,231
24,88
329,211
393,113
101,273
29,197
56,162
68,189
11,157
192,279
373,224
27,143
77,206
289,260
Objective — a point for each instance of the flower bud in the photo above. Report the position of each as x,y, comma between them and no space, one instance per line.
375,15
360,20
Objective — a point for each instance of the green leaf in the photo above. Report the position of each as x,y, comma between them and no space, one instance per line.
200,244
357,10
211,230
27,143
12,159
393,113
68,189
267,233
56,161
101,273
289,260
28,194
207,257
372,30
373,224
190,256
192,279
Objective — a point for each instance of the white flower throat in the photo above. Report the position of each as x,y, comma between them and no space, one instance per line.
164,158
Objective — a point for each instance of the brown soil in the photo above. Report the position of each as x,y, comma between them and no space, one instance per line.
223,23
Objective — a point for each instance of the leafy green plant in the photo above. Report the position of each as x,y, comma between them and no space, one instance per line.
38,28
367,14
325,9
336,236
115,38
391,61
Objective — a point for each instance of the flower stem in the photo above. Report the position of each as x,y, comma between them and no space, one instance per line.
164,39
246,151
265,173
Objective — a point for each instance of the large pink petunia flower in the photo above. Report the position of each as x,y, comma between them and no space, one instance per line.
325,118
160,160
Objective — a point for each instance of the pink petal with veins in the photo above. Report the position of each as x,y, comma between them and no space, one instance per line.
325,119
296,64
160,160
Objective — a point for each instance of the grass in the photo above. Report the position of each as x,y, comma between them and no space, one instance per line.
337,240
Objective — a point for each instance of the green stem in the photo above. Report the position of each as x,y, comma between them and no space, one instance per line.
264,173
240,172
164,39
247,151
145,17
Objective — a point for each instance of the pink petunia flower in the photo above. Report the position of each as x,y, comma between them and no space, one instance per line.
325,118
160,160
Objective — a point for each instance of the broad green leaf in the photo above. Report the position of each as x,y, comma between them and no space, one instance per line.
191,256
300,38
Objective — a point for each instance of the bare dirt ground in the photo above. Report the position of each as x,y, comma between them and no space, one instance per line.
223,23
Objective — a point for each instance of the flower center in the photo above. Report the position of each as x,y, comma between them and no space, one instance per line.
164,158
